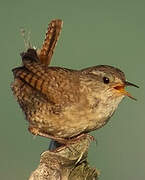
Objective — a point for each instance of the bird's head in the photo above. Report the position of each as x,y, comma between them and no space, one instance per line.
108,81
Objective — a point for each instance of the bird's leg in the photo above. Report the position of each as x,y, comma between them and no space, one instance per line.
80,136
63,143
37,131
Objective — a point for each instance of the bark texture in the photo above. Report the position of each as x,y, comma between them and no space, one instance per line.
68,162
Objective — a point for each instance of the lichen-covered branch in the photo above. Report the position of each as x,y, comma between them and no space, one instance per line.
68,162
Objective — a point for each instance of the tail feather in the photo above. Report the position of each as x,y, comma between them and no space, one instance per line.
52,34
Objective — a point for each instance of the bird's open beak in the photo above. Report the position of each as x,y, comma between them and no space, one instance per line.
121,89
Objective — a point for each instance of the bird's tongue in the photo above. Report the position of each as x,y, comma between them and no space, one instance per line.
122,90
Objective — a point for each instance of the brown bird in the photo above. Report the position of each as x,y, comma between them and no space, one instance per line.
61,103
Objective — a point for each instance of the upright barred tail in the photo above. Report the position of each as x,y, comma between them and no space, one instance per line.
52,34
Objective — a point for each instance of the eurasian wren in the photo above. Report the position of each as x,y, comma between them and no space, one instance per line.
62,103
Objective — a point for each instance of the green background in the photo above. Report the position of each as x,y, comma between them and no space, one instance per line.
95,32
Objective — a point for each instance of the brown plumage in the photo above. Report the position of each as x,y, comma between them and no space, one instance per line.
52,34
62,103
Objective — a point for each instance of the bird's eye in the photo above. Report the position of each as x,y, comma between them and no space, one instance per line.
106,80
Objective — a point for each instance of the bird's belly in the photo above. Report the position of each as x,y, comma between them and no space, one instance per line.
75,120
69,123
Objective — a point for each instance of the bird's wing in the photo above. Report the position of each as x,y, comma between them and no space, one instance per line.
59,85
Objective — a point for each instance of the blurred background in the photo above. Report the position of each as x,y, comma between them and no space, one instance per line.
94,32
